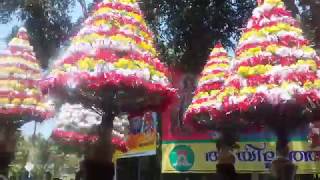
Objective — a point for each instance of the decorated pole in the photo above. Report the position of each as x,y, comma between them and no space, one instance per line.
276,77
205,110
111,65
20,96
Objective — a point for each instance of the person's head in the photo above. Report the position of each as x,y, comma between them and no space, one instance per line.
282,148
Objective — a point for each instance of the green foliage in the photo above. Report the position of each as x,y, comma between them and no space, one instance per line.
45,155
48,22
186,30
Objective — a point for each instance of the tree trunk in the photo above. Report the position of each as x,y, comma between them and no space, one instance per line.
226,170
5,160
282,168
98,160
8,139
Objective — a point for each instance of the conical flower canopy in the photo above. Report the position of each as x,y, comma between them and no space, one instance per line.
20,95
204,105
114,49
276,70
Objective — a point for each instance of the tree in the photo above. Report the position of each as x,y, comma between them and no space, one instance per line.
48,23
186,29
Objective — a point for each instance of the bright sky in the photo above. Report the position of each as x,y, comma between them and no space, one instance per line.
47,126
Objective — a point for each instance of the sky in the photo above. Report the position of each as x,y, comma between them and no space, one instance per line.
45,128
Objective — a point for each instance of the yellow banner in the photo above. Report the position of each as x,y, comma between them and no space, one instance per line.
139,145
201,157
142,137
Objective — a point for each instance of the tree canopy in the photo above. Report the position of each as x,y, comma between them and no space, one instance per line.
185,30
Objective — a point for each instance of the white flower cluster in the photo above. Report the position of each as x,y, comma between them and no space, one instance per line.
74,117
120,127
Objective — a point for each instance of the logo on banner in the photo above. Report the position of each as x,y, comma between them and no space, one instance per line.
182,158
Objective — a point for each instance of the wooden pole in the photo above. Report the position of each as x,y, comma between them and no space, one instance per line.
98,159
115,170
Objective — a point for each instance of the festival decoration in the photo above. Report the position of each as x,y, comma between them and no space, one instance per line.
112,65
275,78
204,107
21,99
78,127
20,95
114,50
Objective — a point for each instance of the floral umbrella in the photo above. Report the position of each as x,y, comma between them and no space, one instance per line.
276,70
20,97
276,75
111,64
113,53
204,107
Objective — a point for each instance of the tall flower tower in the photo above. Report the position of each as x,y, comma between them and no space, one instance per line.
21,99
277,74
206,110
111,65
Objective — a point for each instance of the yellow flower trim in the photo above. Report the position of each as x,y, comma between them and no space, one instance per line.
270,30
219,65
308,49
86,64
17,70
19,41
89,64
206,94
275,2
212,76
248,90
312,63
218,99
16,101
137,64
13,84
228,91
205,103
126,1
87,38
117,24
246,71
30,101
15,59
106,10
4,101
